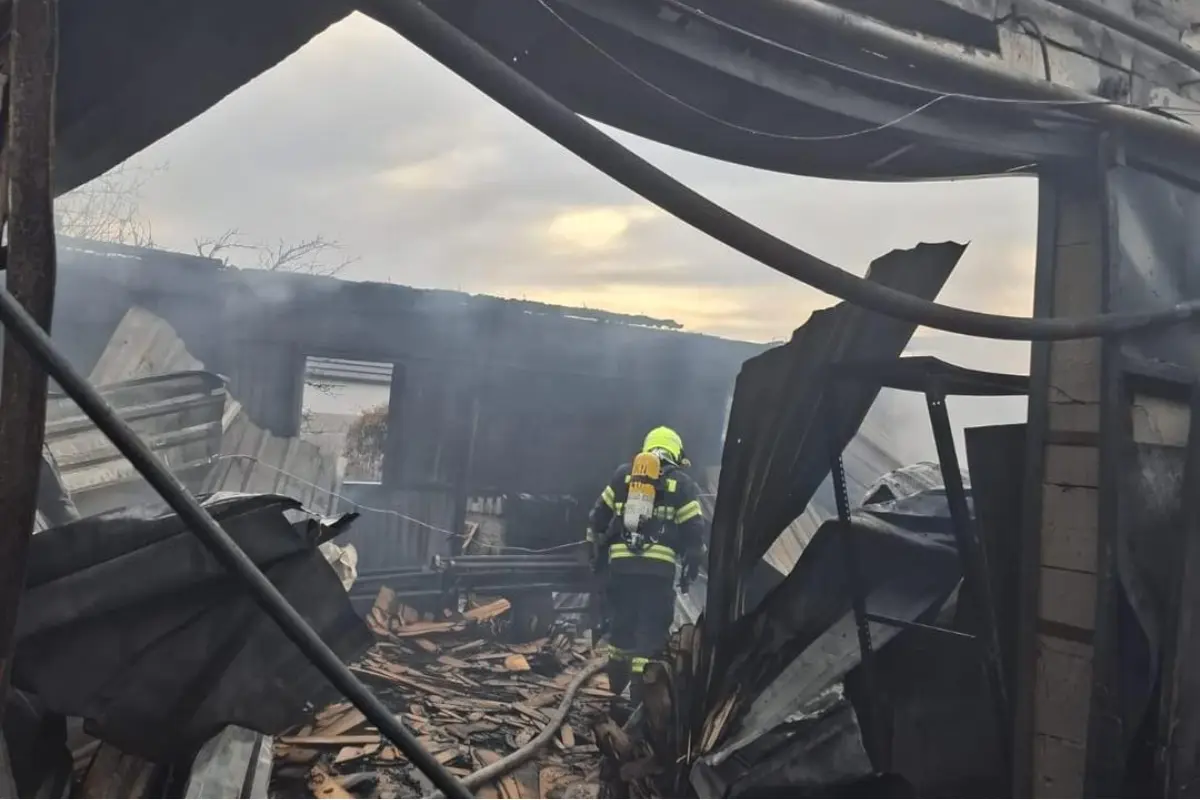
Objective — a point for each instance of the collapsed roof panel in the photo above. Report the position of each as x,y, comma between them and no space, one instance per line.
179,415
258,461
205,436
871,453
130,622
132,71
143,345
136,70
867,456
759,701
800,641
787,418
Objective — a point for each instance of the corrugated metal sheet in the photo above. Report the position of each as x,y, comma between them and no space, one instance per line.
254,460
870,454
240,455
384,538
786,415
178,415
142,345
876,450
268,380
343,370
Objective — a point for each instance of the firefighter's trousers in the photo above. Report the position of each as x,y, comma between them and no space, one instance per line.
641,609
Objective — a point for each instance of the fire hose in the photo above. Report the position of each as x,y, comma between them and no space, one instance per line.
523,754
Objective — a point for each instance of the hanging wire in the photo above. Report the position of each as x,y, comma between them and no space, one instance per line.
388,511
722,121
939,96
861,73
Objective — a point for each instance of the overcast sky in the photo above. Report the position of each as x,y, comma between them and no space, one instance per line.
361,138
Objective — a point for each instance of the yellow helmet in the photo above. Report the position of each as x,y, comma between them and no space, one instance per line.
666,440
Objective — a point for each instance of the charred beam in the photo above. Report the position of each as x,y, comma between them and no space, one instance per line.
28,164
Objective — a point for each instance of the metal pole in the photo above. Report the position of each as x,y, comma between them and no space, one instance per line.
22,327
973,562
26,183
858,600
466,457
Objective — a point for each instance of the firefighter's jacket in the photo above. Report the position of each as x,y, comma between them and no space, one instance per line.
677,525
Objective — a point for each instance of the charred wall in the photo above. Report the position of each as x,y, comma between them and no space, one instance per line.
489,396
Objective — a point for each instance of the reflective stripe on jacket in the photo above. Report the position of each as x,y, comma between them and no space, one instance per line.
677,509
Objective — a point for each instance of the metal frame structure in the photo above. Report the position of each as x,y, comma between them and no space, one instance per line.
1087,431
1177,734
1108,767
449,578
976,582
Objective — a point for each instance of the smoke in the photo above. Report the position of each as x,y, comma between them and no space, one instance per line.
905,416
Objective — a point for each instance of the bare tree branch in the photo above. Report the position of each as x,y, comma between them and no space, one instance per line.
108,209
218,248
365,442
309,257
306,257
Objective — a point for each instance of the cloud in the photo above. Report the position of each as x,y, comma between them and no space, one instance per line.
449,171
593,229
361,138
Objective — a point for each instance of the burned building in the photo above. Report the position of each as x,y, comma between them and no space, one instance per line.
1091,99
488,397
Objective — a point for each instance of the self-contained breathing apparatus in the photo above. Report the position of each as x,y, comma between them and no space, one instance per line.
645,480
638,527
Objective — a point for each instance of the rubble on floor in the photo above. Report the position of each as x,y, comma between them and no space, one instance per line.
469,698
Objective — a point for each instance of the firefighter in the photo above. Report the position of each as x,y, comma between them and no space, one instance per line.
638,539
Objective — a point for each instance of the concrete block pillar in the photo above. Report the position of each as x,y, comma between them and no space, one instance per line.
1059,573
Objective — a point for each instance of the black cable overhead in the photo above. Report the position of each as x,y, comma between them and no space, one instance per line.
1031,28
470,61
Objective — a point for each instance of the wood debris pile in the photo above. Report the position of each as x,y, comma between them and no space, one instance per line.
653,758
469,699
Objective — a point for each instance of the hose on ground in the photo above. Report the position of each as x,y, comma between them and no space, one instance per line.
472,62
516,758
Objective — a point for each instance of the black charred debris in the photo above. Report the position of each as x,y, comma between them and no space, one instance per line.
821,682
131,627
130,624
770,692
